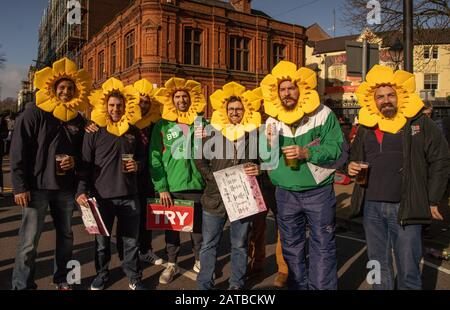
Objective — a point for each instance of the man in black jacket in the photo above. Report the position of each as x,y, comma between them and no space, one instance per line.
408,170
214,213
38,137
114,184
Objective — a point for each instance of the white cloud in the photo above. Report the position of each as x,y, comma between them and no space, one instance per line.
11,77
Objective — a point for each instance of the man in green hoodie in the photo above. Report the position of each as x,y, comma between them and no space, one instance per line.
172,166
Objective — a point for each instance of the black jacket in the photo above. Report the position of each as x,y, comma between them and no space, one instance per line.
211,199
426,165
101,173
37,137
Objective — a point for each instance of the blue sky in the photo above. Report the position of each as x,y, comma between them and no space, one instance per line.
19,22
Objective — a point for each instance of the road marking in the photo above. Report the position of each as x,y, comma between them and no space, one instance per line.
350,261
351,238
439,268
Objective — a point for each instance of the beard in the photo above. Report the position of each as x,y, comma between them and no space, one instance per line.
289,103
388,110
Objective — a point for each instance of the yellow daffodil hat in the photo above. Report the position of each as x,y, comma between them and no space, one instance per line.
165,96
145,88
100,116
251,119
408,102
306,81
45,80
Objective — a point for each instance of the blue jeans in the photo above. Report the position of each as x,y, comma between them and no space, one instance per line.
315,209
127,211
384,234
33,217
212,233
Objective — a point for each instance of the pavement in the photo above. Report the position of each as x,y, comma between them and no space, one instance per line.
352,253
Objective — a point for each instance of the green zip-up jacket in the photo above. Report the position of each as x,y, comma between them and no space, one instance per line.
321,133
172,164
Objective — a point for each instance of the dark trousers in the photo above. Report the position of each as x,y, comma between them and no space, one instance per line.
173,237
127,210
315,209
61,205
145,236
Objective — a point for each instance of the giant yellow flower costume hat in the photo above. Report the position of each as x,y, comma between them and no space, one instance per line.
306,81
408,102
45,80
251,119
100,116
165,96
145,88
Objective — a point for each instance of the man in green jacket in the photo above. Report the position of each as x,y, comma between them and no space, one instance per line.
310,141
172,166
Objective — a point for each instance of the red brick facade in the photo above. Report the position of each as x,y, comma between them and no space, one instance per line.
150,42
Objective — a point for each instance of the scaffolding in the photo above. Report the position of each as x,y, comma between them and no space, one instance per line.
57,38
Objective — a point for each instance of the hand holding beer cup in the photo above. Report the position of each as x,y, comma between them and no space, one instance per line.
64,163
292,155
129,165
360,169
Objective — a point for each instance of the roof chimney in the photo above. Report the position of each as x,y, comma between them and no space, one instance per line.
243,6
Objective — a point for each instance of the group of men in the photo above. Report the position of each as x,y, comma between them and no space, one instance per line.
409,167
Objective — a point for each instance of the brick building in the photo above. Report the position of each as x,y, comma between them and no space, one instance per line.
211,41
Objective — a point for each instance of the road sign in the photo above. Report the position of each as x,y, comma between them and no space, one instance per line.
354,51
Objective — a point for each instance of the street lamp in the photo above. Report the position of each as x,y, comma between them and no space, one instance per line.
396,53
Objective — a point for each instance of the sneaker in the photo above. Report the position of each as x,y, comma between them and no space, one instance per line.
234,288
280,280
167,275
137,286
64,286
196,267
151,258
98,284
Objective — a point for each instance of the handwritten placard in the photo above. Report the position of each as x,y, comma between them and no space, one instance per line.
240,193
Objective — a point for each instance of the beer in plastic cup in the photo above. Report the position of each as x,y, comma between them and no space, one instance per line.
291,163
362,178
125,159
58,159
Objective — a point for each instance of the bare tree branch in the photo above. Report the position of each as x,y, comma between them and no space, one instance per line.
426,13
